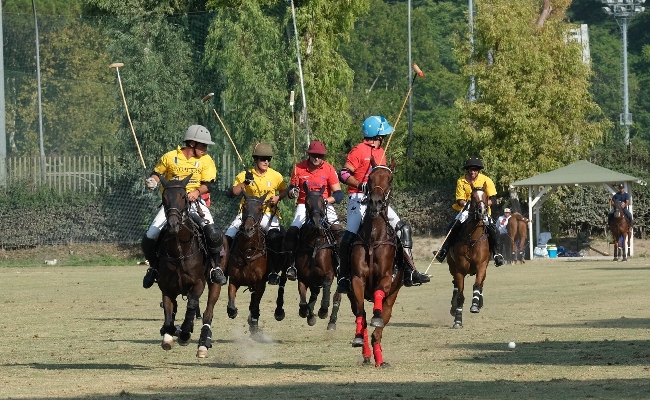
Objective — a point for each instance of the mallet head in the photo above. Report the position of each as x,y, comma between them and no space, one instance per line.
116,65
207,97
418,70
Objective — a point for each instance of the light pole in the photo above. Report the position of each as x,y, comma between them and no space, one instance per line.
624,10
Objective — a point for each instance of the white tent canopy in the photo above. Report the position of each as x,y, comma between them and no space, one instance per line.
582,172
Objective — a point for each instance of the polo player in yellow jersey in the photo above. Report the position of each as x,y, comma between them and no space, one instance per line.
472,178
191,159
258,181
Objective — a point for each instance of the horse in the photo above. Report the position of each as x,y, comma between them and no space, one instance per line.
314,260
518,232
470,255
247,264
183,270
373,264
620,230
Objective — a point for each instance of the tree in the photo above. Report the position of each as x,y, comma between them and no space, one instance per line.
534,112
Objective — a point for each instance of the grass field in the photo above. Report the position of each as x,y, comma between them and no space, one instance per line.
582,330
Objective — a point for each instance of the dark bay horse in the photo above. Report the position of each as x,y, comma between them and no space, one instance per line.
184,265
373,260
470,255
518,232
247,264
620,230
315,258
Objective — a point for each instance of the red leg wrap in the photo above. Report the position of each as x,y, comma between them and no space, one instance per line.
361,324
379,358
366,346
379,300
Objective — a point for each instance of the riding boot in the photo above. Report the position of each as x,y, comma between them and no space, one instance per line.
149,250
493,239
453,230
412,277
275,259
290,244
214,243
344,284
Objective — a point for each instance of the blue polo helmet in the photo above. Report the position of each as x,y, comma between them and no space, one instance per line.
376,125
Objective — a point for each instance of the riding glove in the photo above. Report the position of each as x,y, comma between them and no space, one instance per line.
248,178
151,183
363,187
293,192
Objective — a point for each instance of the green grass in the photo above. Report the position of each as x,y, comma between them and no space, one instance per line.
582,330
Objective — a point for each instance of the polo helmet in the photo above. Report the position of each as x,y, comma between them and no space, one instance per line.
262,150
376,125
317,147
198,133
473,162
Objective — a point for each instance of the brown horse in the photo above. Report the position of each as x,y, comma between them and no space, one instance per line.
184,267
470,255
315,257
373,261
247,264
620,230
518,232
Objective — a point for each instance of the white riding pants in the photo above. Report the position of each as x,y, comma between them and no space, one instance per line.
356,212
301,215
234,226
160,220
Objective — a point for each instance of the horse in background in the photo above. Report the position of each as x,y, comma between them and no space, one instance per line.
620,230
518,232
470,256
373,263
247,264
184,268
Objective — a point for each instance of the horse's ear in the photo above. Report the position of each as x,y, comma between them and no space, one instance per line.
263,199
305,186
164,182
373,163
322,189
246,196
186,180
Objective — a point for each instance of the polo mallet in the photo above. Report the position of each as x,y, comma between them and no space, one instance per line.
293,130
205,100
418,72
117,66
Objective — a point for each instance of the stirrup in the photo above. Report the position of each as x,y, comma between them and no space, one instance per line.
274,278
149,278
217,276
292,273
343,285
415,278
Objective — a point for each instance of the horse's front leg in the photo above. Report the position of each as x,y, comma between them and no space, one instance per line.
336,304
325,301
625,246
457,301
387,312
205,340
168,329
311,317
254,308
192,305
380,293
279,313
477,289
232,293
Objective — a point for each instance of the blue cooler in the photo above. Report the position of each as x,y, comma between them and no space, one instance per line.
552,251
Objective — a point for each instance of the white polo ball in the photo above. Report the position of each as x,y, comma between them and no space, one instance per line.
511,345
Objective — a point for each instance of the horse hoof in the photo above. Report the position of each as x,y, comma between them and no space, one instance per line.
168,342
377,322
452,311
366,361
474,309
202,352
311,321
457,325
302,313
382,365
232,312
357,342
331,326
323,313
279,315
184,339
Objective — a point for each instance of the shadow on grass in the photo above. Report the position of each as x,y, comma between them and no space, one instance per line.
623,322
566,389
563,353
59,366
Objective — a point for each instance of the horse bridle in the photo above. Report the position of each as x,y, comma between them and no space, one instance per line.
322,212
256,222
385,193
182,214
479,213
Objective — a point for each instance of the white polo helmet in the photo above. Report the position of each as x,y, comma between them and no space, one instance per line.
198,133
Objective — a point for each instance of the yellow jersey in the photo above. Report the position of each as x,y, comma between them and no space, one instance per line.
464,189
271,183
174,165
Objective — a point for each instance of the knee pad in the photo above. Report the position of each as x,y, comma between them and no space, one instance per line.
405,234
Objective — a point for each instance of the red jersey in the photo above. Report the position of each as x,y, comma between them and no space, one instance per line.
324,175
359,159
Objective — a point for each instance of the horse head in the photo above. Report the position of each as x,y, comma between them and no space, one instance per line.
380,184
618,209
175,202
478,207
252,212
315,206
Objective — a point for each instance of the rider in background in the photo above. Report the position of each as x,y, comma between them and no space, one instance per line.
624,198
316,172
191,159
258,181
355,174
472,178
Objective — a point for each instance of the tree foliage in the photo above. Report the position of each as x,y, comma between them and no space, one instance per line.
534,111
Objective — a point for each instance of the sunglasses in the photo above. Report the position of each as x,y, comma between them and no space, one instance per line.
264,159
322,157
474,169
